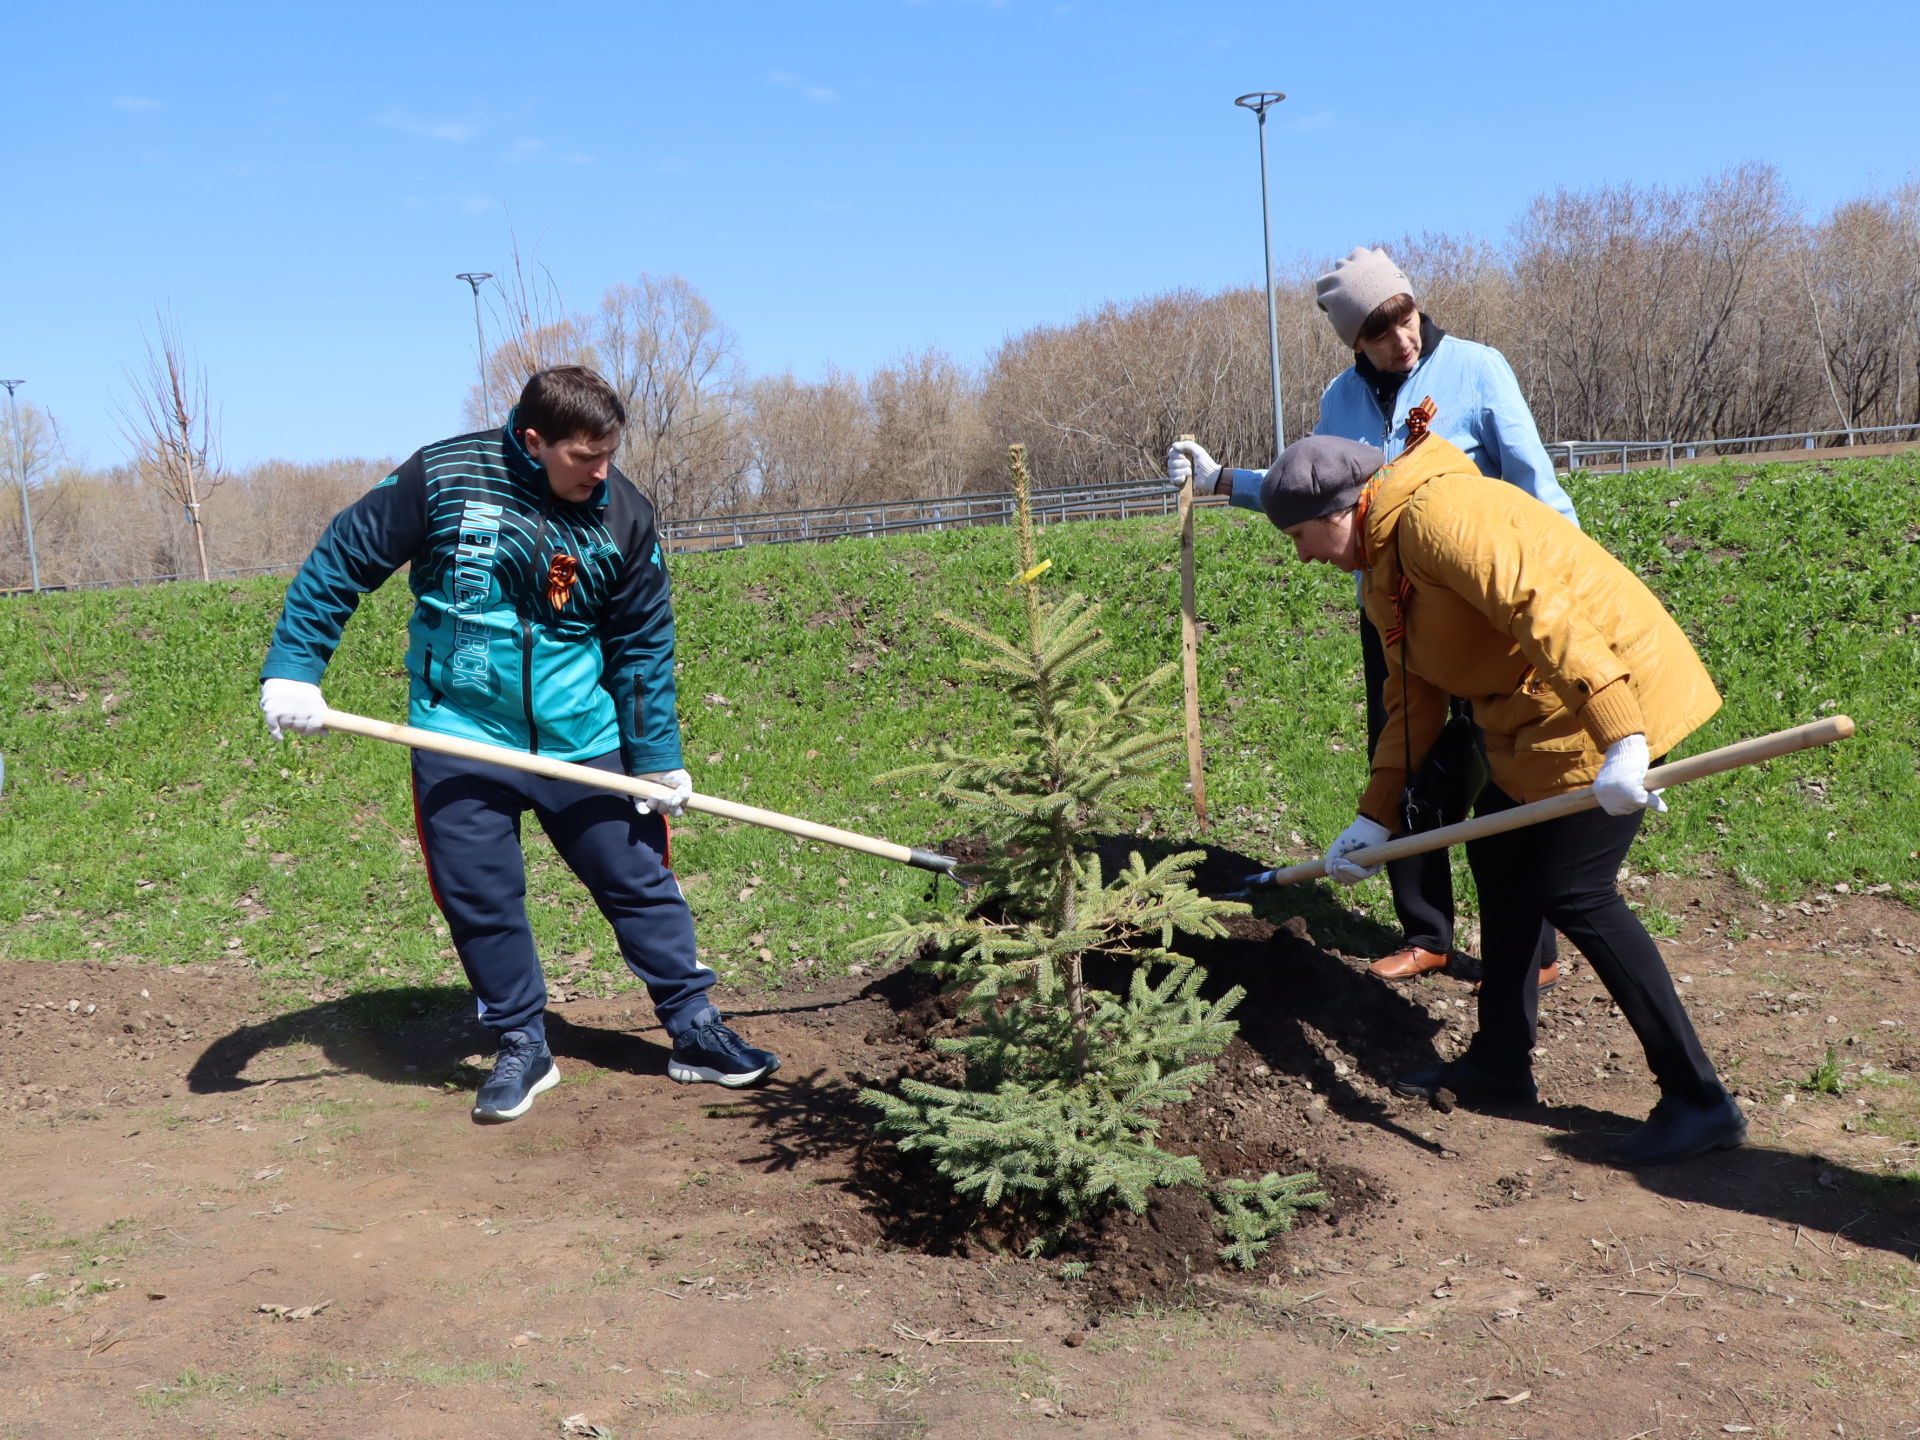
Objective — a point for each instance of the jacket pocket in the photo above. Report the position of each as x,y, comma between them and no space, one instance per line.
1552,756
434,696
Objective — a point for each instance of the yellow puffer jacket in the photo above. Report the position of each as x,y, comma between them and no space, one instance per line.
1560,648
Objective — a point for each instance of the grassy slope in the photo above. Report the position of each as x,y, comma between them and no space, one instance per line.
147,816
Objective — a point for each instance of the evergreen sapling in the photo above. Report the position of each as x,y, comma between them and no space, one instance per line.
1066,1082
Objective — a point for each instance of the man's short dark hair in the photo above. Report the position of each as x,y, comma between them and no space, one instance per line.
570,402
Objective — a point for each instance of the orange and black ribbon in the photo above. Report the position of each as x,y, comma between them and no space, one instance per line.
561,576
1420,421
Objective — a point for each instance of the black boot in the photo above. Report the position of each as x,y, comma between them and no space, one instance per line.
1470,1083
1679,1130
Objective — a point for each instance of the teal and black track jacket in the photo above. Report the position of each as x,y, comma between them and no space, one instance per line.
537,625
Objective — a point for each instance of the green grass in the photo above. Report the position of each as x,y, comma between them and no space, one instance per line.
1826,1077
148,817
190,1386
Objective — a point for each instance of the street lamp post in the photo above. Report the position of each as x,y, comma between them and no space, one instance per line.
20,474
1260,101
473,278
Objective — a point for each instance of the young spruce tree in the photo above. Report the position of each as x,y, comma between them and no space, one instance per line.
1061,1110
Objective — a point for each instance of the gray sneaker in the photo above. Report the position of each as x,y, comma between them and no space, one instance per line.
713,1054
523,1068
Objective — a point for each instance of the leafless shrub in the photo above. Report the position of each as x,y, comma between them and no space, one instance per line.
170,430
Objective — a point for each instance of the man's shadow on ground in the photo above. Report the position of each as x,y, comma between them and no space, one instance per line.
1807,1191
411,1035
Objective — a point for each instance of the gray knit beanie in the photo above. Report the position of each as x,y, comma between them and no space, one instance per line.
1317,477
1355,288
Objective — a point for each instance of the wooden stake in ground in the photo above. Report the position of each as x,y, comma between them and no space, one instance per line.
1190,652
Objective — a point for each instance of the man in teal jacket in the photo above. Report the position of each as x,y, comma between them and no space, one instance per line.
542,622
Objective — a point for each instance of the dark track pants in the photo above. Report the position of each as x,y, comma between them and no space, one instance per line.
1564,871
468,815
1422,884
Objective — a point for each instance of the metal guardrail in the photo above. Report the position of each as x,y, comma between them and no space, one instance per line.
136,581
891,517
1059,504
1628,454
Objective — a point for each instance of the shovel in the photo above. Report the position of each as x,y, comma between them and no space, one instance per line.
626,785
1694,767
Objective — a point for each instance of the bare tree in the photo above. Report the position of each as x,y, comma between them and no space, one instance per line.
30,453
536,334
1861,277
668,356
929,434
675,367
170,430
809,443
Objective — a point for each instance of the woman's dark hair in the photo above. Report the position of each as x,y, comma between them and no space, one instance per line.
570,402
1387,314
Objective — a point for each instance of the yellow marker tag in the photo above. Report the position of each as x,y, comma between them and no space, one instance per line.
1035,573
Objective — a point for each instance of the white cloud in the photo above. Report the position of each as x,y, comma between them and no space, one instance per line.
135,102
522,149
1317,120
793,82
454,132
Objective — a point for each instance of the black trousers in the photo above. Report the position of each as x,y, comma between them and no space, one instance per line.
1422,884
1564,872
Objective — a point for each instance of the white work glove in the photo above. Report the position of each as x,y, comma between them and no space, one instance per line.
1357,836
1187,458
678,781
1621,785
292,705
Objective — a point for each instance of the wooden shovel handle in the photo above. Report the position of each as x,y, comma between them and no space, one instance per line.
626,785
1694,767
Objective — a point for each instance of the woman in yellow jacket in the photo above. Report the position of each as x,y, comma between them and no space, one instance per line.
1578,677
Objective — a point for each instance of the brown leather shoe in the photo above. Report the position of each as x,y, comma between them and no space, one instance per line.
1406,964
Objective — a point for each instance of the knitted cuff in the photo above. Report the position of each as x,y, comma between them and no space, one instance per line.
1613,714
1380,801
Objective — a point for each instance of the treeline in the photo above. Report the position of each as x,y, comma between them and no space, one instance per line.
1628,312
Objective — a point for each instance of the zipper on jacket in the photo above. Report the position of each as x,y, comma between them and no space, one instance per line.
526,684
526,636
1387,412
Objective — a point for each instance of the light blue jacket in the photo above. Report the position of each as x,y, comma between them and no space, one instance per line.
1478,408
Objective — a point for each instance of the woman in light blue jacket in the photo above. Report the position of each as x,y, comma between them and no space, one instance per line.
1401,358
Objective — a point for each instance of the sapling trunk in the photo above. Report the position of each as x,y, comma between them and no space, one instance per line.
1061,832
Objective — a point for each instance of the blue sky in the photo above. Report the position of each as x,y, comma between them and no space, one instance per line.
844,182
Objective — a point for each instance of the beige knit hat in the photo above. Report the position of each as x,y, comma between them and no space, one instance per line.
1355,288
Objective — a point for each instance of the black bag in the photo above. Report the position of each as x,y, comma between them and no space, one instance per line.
1450,779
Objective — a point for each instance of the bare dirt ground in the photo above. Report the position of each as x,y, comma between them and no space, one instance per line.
225,1217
